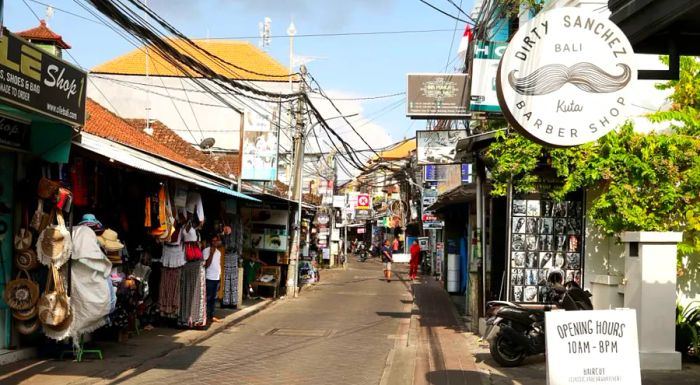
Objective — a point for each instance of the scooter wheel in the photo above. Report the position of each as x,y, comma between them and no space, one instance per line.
503,352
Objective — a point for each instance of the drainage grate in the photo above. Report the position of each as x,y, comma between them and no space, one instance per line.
289,332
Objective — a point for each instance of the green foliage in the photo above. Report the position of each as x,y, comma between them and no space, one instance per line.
647,182
688,328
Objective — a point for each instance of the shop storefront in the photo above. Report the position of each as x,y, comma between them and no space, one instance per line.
42,101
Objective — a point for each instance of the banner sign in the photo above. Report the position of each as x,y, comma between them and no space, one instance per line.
362,214
260,146
438,147
487,56
14,134
338,201
32,79
433,225
360,230
437,95
363,202
566,92
467,174
592,347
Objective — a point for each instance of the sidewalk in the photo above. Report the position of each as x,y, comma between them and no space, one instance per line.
121,359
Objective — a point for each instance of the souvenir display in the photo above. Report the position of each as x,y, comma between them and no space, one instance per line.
545,234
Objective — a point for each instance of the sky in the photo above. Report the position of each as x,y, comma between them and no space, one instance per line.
346,66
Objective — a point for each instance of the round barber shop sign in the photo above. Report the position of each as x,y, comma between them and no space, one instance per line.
566,76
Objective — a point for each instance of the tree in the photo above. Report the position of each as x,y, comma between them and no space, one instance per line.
647,182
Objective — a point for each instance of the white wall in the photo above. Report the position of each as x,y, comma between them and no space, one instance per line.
205,116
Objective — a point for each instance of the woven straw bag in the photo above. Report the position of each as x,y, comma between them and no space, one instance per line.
27,260
27,327
24,315
21,293
54,245
54,305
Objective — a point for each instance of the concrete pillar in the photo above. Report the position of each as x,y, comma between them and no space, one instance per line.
650,288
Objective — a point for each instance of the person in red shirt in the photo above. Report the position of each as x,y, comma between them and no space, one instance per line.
415,260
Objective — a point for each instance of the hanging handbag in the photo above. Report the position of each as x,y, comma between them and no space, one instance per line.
27,260
54,305
193,252
54,245
21,293
40,219
23,238
47,188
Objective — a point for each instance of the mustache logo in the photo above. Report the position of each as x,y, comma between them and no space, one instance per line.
586,76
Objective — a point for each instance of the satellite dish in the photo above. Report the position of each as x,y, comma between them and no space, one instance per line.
207,143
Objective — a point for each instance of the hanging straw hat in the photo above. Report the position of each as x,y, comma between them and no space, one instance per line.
114,257
24,315
27,327
27,260
21,293
60,331
109,240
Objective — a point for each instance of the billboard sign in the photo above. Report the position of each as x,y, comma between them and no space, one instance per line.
592,347
31,79
438,147
437,96
487,55
260,146
564,94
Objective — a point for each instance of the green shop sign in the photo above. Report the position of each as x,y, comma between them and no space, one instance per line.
34,80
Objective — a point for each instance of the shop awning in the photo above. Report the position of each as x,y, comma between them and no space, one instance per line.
458,195
145,162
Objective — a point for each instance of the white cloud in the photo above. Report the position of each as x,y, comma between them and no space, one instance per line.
369,131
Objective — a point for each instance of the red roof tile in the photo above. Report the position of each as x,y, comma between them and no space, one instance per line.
43,33
105,124
222,164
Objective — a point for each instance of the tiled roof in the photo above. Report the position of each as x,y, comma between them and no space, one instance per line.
105,124
222,164
43,33
400,150
240,53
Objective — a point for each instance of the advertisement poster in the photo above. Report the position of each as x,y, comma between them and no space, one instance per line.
437,95
487,55
260,146
32,79
592,347
438,147
545,235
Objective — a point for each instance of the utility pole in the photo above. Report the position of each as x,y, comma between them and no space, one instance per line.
296,188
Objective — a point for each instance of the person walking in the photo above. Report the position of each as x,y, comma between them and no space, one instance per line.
415,260
387,258
212,256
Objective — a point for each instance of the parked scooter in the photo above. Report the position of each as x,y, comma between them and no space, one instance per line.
516,331
361,251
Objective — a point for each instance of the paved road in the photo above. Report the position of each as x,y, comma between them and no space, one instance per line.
338,332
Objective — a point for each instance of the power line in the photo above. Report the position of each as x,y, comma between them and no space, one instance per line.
368,97
459,8
445,13
66,12
332,34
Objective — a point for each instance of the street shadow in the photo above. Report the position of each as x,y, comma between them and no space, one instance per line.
463,377
531,361
396,314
